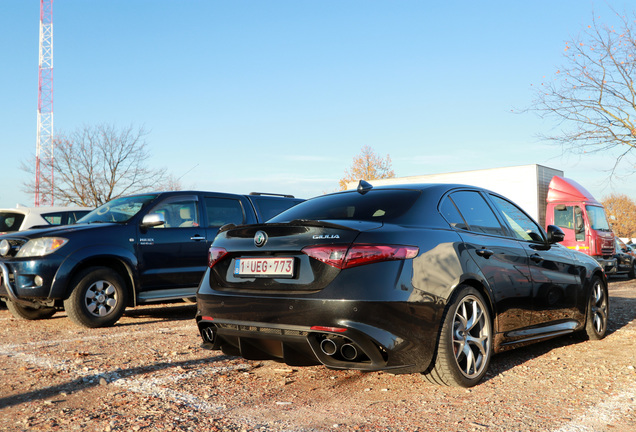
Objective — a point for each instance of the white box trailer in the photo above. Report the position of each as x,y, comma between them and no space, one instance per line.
526,185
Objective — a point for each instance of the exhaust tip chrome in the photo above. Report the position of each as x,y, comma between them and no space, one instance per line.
208,335
329,346
349,352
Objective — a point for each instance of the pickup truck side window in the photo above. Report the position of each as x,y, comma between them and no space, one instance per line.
222,211
477,213
178,214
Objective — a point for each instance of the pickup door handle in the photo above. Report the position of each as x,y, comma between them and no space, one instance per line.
483,252
197,238
536,258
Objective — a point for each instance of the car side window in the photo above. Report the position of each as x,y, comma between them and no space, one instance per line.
451,214
54,218
222,211
477,213
10,221
522,226
178,213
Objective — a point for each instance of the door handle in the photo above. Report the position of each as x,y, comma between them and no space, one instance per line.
483,252
197,238
536,258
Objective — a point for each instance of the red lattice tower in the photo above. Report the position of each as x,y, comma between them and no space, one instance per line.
44,147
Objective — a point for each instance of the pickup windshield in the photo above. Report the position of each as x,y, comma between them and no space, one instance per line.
597,218
119,209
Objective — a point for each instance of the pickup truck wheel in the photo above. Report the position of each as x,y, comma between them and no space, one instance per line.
30,313
98,299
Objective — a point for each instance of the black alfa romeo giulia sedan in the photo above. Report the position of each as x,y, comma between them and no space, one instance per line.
424,278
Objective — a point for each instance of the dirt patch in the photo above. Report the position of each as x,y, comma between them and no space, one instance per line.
148,373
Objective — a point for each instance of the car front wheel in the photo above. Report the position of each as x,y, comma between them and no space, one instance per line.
30,313
465,343
98,299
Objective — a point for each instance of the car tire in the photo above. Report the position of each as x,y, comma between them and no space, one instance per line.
464,347
30,313
632,271
98,299
597,311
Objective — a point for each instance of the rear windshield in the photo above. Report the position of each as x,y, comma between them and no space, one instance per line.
10,221
375,205
268,207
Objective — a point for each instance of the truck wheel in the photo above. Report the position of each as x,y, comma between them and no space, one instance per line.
465,342
597,311
98,299
30,313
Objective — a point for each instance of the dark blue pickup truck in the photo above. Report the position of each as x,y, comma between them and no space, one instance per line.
132,250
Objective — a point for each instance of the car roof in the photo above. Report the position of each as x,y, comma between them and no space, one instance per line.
42,209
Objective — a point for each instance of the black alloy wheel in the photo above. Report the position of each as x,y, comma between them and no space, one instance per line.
465,342
597,311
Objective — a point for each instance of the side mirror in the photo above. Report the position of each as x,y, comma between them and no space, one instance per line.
153,220
555,234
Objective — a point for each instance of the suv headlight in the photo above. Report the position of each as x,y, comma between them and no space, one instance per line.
5,247
41,246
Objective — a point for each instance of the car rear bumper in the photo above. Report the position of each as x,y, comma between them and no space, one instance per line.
340,334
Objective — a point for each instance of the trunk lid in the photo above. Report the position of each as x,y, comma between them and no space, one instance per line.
253,248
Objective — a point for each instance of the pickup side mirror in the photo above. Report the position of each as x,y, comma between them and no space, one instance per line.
153,220
555,234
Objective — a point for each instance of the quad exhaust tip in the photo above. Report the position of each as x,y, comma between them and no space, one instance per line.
332,346
349,351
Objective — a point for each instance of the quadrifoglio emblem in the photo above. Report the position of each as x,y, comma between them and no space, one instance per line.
260,238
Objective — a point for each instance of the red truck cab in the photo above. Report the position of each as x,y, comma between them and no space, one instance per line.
573,209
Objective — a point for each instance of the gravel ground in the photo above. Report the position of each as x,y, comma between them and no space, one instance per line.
148,373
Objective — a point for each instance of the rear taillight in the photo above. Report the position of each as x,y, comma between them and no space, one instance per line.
342,256
215,254
333,255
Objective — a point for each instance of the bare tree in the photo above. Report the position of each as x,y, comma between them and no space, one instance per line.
93,165
593,94
367,166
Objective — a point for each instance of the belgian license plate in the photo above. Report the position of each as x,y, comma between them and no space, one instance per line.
264,267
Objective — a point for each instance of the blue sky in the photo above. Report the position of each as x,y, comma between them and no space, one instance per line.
280,96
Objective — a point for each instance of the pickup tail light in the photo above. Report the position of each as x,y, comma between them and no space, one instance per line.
344,256
215,254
